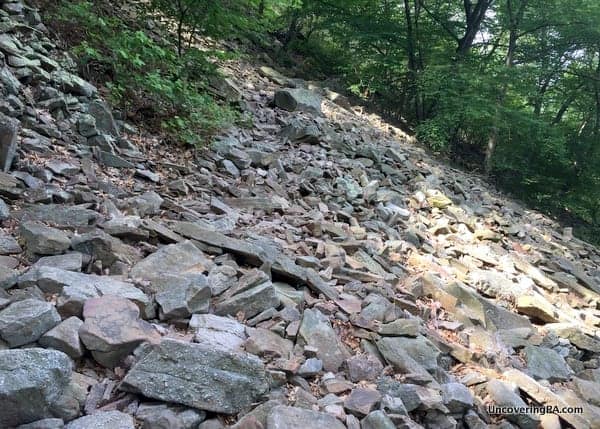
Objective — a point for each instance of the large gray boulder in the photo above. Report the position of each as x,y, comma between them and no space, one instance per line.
198,376
31,381
292,99
180,258
44,240
25,321
546,364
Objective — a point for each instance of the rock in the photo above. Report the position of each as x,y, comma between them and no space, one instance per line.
283,417
219,332
537,307
361,401
65,337
310,367
102,247
112,329
103,118
73,84
364,367
8,277
163,416
504,396
58,215
103,420
588,390
457,397
292,99
186,295
43,240
316,331
147,204
250,302
49,423
31,381
198,376
62,168
180,258
400,327
546,364
25,321
8,141
410,355
377,420
75,288
4,210
8,245
544,396
265,343
578,338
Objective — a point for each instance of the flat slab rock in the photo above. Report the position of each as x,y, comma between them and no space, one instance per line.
103,420
177,258
283,417
31,380
198,376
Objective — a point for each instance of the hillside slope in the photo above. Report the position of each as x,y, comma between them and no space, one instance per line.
315,270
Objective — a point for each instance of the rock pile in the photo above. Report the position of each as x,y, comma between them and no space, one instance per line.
316,270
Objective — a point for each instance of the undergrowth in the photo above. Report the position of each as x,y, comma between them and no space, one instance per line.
142,72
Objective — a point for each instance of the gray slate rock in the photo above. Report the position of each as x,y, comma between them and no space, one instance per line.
250,302
292,99
59,215
219,332
31,381
186,295
65,337
8,141
377,420
504,395
76,288
164,416
180,258
284,417
103,420
316,331
25,321
50,423
44,240
198,376
546,364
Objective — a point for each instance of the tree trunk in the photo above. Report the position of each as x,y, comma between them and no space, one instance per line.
474,18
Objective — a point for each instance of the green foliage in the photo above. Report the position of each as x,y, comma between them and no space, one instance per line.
513,92
147,75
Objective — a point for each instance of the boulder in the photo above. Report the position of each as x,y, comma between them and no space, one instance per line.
31,381
546,364
292,99
112,329
25,321
180,258
198,376
43,240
